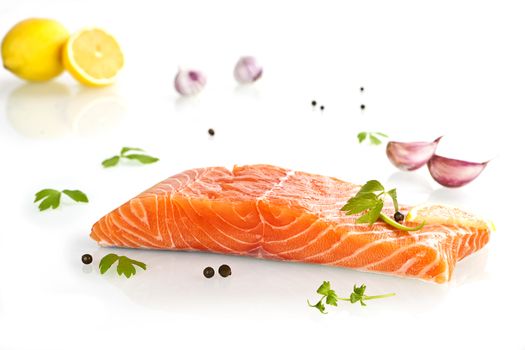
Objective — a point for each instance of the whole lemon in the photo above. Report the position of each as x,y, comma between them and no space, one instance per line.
32,49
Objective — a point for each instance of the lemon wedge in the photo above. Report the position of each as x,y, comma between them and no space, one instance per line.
93,57
446,215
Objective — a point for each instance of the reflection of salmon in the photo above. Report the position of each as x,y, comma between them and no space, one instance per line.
270,212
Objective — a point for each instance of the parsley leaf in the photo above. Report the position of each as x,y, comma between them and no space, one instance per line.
374,140
359,295
361,203
373,137
125,266
51,198
371,187
319,306
371,198
330,297
393,194
106,262
142,158
372,215
125,150
110,161
76,195
361,136
324,288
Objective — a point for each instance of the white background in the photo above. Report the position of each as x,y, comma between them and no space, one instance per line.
453,68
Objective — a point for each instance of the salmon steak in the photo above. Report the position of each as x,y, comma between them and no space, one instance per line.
269,212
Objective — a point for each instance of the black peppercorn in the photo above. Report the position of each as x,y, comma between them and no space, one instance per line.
322,108
208,272
363,107
314,103
225,270
211,132
398,217
87,259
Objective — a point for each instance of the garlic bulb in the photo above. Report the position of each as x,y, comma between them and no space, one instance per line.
189,82
247,70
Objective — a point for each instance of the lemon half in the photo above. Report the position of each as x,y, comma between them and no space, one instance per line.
93,57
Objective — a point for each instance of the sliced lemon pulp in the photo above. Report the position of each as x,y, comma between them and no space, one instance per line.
446,215
93,57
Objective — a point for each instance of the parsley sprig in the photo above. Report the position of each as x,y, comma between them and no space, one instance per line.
370,200
329,296
124,153
51,198
373,137
125,265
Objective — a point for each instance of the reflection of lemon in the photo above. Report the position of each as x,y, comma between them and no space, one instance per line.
94,111
37,110
442,214
93,57
31,49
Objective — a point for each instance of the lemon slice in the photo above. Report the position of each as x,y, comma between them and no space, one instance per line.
93,57
446,215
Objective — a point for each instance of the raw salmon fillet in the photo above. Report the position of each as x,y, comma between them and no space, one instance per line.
270,212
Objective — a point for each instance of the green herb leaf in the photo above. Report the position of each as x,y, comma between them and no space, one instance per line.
393,194
374,140
372,215
371,187
76,195
373,137
324,288
125,150
358,295
358,204
138,263
144,159
319,306
125,266
111,161
371,197
360,290
44,193
106,262
51,201
51,197
331,298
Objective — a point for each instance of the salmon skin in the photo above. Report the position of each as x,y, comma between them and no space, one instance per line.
270,212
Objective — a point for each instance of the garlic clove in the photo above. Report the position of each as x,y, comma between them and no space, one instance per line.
453,172
189,82
247,70
410,155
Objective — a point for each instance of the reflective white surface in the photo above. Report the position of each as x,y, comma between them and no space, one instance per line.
453,69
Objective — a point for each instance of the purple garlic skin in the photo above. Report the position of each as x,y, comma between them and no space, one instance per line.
189,82
410,156
453,172
247,70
